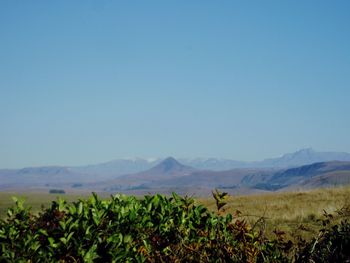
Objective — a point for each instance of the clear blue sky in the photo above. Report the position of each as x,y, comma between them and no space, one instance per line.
89,81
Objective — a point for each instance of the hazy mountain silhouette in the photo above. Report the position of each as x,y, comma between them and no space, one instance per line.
303,157
129,166
169,167
270,174
118,167
307,176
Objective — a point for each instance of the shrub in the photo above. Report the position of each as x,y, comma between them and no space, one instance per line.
331,245
126,229
157,229
56,191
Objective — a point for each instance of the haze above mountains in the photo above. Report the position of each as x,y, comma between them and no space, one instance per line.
305,168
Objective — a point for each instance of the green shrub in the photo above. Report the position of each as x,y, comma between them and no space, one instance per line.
125,229
155,229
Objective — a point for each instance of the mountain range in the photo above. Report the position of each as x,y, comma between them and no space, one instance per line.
305,168
134,165
170,174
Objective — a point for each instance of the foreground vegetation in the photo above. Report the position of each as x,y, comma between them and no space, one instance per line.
160,229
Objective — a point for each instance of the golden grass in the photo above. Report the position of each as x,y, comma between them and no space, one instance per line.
287,211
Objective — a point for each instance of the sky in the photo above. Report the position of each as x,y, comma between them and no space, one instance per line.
84,82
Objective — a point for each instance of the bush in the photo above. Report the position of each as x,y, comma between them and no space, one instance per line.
154,229
56,191
125,229
331,245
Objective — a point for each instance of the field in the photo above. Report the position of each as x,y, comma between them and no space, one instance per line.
288,211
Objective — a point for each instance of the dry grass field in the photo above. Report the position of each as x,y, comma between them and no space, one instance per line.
293,212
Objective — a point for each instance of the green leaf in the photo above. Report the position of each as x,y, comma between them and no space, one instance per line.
52,242
63,240
80,208
43,231
70,236
63,225
91,254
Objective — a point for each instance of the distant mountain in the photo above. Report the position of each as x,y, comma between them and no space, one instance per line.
120,167
211,179
305,167
170,173
214,164
117,167
302,157
40,177
330,179
298,158
307,176
168,168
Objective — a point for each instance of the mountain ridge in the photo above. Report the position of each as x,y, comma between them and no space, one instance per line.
298,158
170,173
300,176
